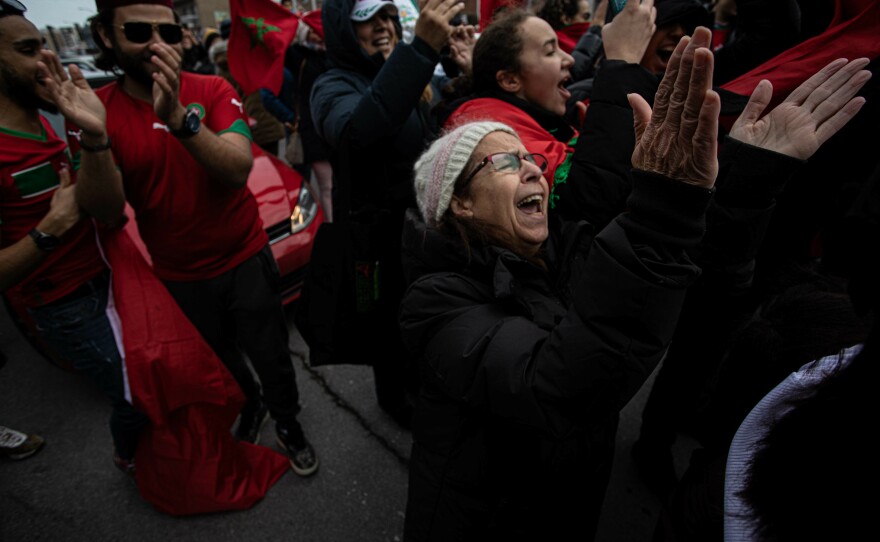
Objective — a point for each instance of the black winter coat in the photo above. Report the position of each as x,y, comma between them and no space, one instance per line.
525,368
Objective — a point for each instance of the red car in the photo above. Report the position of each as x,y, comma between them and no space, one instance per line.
291,216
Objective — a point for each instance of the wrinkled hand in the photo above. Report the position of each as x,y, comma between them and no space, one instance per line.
811,114
72,95
461,47
64,211
627,36
433,25
678,139
166,85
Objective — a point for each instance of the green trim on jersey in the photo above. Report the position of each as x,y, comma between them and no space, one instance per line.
239,127
36,180
42,137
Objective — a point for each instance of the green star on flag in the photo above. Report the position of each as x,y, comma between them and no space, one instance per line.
260,34
258,29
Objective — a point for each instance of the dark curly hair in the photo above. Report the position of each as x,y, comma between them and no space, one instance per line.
106,58
498,48
553,11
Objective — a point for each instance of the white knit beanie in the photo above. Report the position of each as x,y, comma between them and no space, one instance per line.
441,165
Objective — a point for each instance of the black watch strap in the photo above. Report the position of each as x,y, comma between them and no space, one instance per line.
191,125
44,241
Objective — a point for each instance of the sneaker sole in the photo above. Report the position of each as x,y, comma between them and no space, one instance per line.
294,468
37,446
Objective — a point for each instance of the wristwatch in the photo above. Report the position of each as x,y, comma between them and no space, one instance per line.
191,125
44,241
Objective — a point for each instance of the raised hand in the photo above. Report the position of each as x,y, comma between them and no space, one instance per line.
627,36
599,13
72,95
64,211
433,25
166,85
678,139
461,47
811,114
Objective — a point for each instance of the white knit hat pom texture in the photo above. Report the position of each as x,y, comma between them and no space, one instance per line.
440,166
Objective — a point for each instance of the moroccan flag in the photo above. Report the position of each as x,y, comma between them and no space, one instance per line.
260,34
489,7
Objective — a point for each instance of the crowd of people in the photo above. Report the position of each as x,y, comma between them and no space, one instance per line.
554,206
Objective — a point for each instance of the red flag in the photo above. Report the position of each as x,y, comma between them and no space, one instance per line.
851,34
489,7
261,31
187,460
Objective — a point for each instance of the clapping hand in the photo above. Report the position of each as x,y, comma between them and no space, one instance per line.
166,85
433,25
461,47
627,36
811,114
71,95
678,139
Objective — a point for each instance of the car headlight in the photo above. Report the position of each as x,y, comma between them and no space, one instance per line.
305,211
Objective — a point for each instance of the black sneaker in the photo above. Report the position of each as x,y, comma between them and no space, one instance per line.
302,456
251,422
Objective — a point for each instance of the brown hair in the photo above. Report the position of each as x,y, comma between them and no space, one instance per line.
498,49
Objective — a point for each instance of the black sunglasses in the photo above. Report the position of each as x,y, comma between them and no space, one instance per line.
507,162
12,7
171,33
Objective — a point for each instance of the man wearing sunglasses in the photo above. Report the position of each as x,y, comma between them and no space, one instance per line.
183,149
50,267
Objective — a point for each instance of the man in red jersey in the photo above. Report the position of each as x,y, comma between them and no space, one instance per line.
49,259
182,147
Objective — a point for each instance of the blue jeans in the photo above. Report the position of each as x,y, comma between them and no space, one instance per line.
77,328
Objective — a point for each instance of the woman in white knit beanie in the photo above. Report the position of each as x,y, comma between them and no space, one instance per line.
531,333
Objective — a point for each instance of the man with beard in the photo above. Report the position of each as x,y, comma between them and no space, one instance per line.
49,260
183,149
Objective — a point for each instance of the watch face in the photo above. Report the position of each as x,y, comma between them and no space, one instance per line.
192,121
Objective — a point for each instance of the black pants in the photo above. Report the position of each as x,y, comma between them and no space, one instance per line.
240,311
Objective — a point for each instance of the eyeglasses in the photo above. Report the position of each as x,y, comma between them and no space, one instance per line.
11,7
507,162
138,32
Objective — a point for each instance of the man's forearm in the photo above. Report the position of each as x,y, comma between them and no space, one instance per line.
17,261
226,158
99,188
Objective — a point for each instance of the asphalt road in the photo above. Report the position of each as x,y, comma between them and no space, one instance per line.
70,490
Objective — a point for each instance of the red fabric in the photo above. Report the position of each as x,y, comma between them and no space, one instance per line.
29,168
260,34
313,19
569,36
187,460
194,227
534,137
489,7
854,32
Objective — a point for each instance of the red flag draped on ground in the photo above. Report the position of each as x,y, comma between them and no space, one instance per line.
260,33
187,460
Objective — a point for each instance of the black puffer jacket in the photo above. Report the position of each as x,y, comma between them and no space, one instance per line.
525,368
372,106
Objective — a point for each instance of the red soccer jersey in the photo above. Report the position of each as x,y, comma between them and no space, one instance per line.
194,226
29,167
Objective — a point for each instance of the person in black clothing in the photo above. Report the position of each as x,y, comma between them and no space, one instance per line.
532,333
371,107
